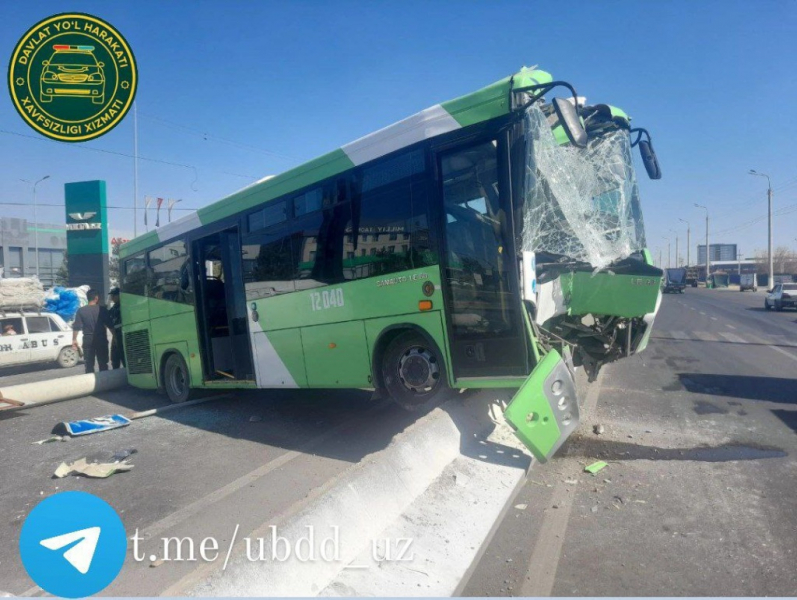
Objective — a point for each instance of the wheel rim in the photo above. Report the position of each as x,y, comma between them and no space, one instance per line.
419,371
69,357
177,380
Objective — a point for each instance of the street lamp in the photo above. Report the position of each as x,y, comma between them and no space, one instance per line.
668,251
708,256
36,220
688,239
769,219
676,246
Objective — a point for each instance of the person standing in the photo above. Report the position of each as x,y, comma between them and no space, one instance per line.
115,315
93,320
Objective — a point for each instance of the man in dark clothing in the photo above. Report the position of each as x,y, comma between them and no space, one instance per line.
115,314
93,320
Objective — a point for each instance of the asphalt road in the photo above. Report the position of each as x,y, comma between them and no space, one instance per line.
36,372
246,460
699,497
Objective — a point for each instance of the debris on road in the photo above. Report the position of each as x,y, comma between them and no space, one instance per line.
52,438
97,470
598,429
521,506
88,426
596,466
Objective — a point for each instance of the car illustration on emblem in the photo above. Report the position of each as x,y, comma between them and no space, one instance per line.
73,71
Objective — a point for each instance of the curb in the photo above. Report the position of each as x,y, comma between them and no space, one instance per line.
26,395
443,483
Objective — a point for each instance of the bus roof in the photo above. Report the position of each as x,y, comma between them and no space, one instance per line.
485,104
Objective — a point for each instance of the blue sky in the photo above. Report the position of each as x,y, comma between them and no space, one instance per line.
239,90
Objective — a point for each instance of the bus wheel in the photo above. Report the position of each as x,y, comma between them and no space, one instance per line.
413,372
68,357
176,379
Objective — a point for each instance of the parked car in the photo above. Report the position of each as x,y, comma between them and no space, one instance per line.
748,281
783,295
28,337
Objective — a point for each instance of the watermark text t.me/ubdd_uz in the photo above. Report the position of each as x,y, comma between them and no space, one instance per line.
274,548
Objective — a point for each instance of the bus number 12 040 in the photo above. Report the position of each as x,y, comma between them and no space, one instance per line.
326,299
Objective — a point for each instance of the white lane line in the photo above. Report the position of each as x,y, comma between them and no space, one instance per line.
732,337
729,326
713,318
705,336
702,313
544,561
784,352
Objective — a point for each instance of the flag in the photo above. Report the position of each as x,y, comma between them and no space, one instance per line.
171,205
158,213
147,202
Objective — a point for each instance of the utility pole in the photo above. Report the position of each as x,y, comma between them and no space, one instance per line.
708,254
739,259
135,169
36,221
688,240
676,246
769,221
669,254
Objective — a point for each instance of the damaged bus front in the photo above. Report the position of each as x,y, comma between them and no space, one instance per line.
583,240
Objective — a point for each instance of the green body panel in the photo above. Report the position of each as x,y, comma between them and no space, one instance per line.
288,345
611,294
648,257
336,355
478,383
532,412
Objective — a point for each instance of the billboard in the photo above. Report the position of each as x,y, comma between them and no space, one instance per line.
87,234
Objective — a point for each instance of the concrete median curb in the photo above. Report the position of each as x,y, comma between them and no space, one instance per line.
443,483
63,388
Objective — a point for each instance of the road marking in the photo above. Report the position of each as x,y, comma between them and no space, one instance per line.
713,318
544,561
702,313
732,337
729,326
680,335
691,308
784,352
705,336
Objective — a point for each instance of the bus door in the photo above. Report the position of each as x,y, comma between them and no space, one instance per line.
221,307
486,328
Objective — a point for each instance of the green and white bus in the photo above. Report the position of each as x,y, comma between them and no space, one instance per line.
396,263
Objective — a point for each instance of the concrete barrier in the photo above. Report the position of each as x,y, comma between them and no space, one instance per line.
434,496
63,388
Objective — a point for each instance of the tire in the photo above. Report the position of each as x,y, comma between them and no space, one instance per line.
68,357
176,379
413,372
778,305
766,305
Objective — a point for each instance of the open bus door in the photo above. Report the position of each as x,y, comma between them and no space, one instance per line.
221,307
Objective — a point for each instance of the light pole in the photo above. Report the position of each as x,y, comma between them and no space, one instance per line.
708,255
769,220
36,221
668,250
676,246
688,239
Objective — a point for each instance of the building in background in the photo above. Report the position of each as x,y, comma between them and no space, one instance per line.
17,249
719,253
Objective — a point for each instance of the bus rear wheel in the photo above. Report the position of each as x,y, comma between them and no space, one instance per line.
176,379
413,372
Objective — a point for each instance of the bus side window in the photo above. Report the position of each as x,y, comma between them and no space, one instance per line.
168,273
134,275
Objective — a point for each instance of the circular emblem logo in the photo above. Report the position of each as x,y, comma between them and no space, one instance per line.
73,544
72,77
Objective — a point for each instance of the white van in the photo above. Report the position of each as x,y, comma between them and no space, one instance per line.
28,337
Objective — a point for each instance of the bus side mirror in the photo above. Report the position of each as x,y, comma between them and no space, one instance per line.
571,123
649,159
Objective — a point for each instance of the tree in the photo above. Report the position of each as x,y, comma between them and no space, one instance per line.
784,261
113,260
62,274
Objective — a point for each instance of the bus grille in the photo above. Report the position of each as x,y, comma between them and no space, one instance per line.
137,352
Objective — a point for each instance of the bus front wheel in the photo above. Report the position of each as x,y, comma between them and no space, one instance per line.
176,379
413,372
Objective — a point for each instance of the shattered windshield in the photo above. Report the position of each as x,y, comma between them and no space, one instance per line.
580,203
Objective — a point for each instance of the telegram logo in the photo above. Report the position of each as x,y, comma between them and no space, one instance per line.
73,544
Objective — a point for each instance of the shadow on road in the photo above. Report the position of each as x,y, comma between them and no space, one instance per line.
613,450
749,387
